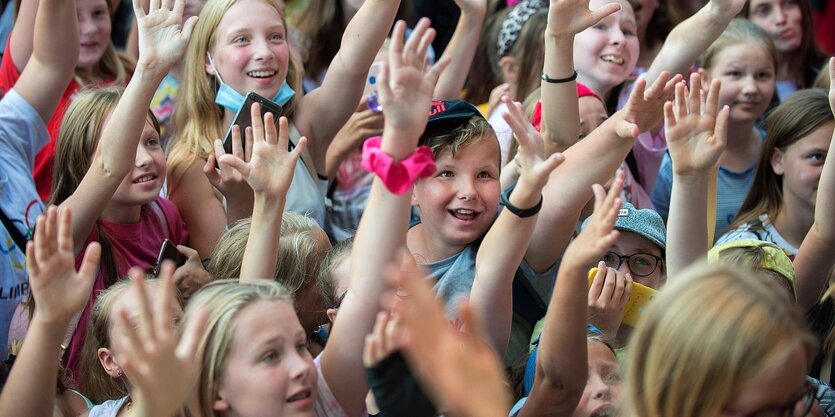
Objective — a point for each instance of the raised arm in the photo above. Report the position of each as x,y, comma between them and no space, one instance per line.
560,111
461,47
161,365
54,51
696,131
593,160
162,41
406,92
269,173
691,37
505,244
325,110
562,360
814,261
60,293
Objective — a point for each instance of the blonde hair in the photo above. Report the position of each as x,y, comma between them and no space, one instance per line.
299,252
197,118
707,332
739,31
224,300
439,137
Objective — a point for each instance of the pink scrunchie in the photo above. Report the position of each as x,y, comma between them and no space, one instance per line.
398,177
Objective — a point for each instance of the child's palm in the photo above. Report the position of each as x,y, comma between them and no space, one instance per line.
599,234
695,138
569,17
162,35
644,108
534,167
59,290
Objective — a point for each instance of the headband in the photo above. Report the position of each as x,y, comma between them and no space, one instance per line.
515,20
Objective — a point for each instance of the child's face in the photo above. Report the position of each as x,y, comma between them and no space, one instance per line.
268,371
93,31
602,393
747,74
637,246
459,202
801,165
143,183
592,114
781,19
606,53
251,51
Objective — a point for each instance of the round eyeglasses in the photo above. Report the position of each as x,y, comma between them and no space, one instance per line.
640,264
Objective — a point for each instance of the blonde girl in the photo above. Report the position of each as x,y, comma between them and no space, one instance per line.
744,60
719,342
98,64
240,46
112,167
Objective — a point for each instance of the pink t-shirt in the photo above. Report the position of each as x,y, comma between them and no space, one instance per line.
136,244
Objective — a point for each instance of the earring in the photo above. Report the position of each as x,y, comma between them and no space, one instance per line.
118,373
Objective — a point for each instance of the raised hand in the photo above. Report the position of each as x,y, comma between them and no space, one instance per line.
270,171
534,169
382,341
472,6
459,371
59,290
696,135
608,294
163,36
728,8
570,17
405,86
161,366
599,234
644,110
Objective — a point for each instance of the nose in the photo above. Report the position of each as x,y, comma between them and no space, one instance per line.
85,25
600,389
263,50
300,366
616,36
749,86
143,157
466,189
780,15
624,268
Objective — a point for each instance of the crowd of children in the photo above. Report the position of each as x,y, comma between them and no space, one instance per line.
633,214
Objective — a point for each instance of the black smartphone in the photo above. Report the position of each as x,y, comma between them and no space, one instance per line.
168,251
244,117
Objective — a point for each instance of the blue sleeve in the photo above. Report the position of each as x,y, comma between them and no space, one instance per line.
22,132
663,187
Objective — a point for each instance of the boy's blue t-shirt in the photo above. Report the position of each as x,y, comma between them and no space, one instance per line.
22,134
731,189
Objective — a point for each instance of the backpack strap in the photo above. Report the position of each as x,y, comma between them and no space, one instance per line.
18,237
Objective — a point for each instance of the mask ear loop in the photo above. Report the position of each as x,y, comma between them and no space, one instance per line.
212,64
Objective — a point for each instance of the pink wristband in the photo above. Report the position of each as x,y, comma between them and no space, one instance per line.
398,177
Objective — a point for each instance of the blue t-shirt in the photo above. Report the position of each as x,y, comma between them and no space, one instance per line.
731,190
22,134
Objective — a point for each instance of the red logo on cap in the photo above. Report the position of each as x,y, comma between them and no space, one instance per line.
437,107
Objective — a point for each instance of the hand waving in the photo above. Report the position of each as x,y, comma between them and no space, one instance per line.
60,291
570,17
644,110
405,86
270,171
163,36
161,366
599,234
534,169
696,135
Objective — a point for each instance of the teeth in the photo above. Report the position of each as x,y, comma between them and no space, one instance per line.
300,396
261,74
612,59
144,178
464,211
